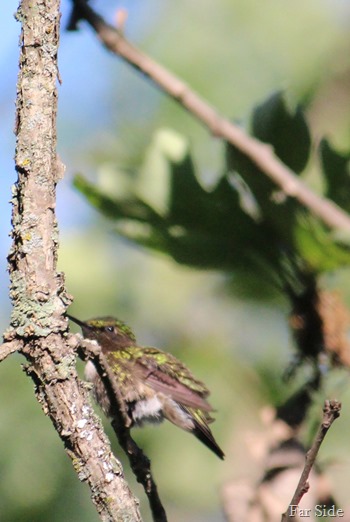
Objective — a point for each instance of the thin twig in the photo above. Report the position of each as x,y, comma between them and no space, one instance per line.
91,350
141,467
331,412
139,462
259,153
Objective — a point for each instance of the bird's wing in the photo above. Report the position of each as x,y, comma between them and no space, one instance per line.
172,378
177,391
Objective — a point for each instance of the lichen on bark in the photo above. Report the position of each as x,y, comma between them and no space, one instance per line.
37,290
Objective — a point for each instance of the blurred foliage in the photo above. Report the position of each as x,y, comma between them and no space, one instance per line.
234,53
244,220
337,174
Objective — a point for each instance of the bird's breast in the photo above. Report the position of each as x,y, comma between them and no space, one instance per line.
99,390
144,405
147,410
90,372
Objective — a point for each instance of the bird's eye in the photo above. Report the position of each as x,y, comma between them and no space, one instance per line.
110,328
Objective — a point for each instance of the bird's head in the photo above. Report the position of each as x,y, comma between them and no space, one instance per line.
110,333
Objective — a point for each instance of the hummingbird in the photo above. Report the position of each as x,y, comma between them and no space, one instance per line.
153,384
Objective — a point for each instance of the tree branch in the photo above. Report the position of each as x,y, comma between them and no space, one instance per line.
38,327
259,153
331,412
139,462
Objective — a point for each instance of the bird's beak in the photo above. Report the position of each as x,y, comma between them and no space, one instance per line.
77,321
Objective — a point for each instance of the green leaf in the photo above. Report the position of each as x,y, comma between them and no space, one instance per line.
144,235
112,208
242,225
335,168
288,133
184,191
317,247
277,212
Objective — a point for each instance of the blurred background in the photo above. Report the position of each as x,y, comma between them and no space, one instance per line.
234,53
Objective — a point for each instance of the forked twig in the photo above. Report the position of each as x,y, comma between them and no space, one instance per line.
331,412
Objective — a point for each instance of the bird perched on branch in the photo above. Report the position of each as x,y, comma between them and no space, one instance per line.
154,385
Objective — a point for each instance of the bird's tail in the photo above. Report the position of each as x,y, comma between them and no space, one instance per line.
202,431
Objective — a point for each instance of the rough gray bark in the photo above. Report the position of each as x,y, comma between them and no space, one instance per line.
37,290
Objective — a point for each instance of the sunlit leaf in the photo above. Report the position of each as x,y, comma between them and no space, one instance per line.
336,169
111,207
317,246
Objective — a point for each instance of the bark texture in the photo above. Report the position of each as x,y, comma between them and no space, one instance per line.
37,290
